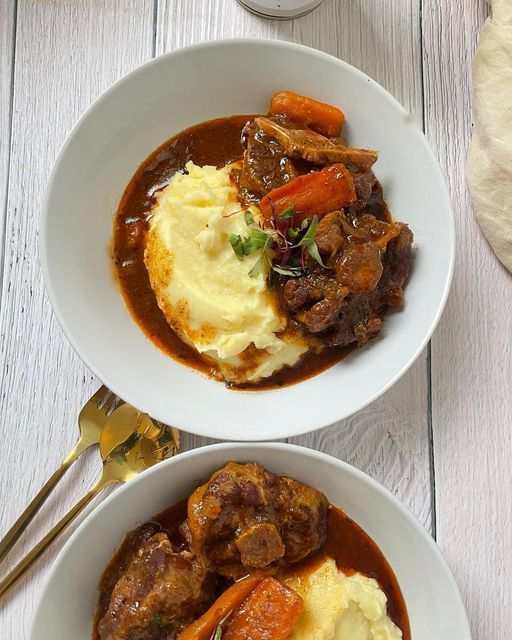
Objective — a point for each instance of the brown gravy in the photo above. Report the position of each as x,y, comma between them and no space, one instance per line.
216,142
352,549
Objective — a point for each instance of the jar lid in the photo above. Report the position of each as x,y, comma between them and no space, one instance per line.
280,9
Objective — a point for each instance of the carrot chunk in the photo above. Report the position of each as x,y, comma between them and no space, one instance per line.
204,627
268,613
313,194
321,117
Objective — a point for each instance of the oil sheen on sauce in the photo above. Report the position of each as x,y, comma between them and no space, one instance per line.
216,142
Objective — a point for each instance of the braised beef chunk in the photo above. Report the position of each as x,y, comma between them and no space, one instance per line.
322,315
316,286
369,262
157,595
246,518
329,236
359,267
364,184
315,148
122,560
265,165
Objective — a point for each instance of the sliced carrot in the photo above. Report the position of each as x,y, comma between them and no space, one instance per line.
313,194
204,627
268,613
321,117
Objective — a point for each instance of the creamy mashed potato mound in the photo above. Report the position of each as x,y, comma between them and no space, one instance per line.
341,607
205,292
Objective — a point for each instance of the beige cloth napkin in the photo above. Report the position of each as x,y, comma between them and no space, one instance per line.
489,169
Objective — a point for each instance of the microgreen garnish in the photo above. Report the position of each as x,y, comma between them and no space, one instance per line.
264,262
288,271
249,218
308,242
257,239
218,633
236,242
287,213
282,247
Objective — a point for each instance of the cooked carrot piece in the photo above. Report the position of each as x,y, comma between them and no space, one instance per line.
313,194
268,613
321,117
204,627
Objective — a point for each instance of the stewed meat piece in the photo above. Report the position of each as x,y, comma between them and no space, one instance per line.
246,518
322,315
315,286
122,560
315,148
329,236
364,184
159,593
359,267
265,164
368,263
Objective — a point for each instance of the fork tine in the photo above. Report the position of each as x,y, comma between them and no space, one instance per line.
111,404
100,396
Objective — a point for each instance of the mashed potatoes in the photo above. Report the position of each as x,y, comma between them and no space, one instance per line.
340,607
203,289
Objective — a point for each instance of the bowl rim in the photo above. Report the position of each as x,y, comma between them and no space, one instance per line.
299,451
211,430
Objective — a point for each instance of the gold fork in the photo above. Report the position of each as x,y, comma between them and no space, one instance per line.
130,443
91,419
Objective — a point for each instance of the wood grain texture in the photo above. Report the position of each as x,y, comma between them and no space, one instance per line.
471,354
67,54
389,439
7,23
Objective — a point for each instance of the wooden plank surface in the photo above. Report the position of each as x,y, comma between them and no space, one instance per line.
67,54
471,354
389,440
7,26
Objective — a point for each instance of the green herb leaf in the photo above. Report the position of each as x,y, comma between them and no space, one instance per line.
312,249
310,233
288,270
256,267
265,260
308,242
257,240
287,213
236,242
293,233
218,633
304,224
249,218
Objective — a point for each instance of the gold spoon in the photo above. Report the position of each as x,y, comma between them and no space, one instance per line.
91,419
130,443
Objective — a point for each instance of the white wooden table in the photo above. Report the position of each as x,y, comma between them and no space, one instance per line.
440,439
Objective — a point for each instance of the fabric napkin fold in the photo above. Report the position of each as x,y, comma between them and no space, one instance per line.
489,167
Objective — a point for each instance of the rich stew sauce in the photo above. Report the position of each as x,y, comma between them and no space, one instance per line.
351,548
216,142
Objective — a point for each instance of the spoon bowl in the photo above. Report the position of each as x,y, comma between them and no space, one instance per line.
130,442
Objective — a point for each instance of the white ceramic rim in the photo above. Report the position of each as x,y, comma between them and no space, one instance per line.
386,495
204,429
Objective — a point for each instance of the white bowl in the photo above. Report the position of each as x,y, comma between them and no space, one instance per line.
134,117
433,602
